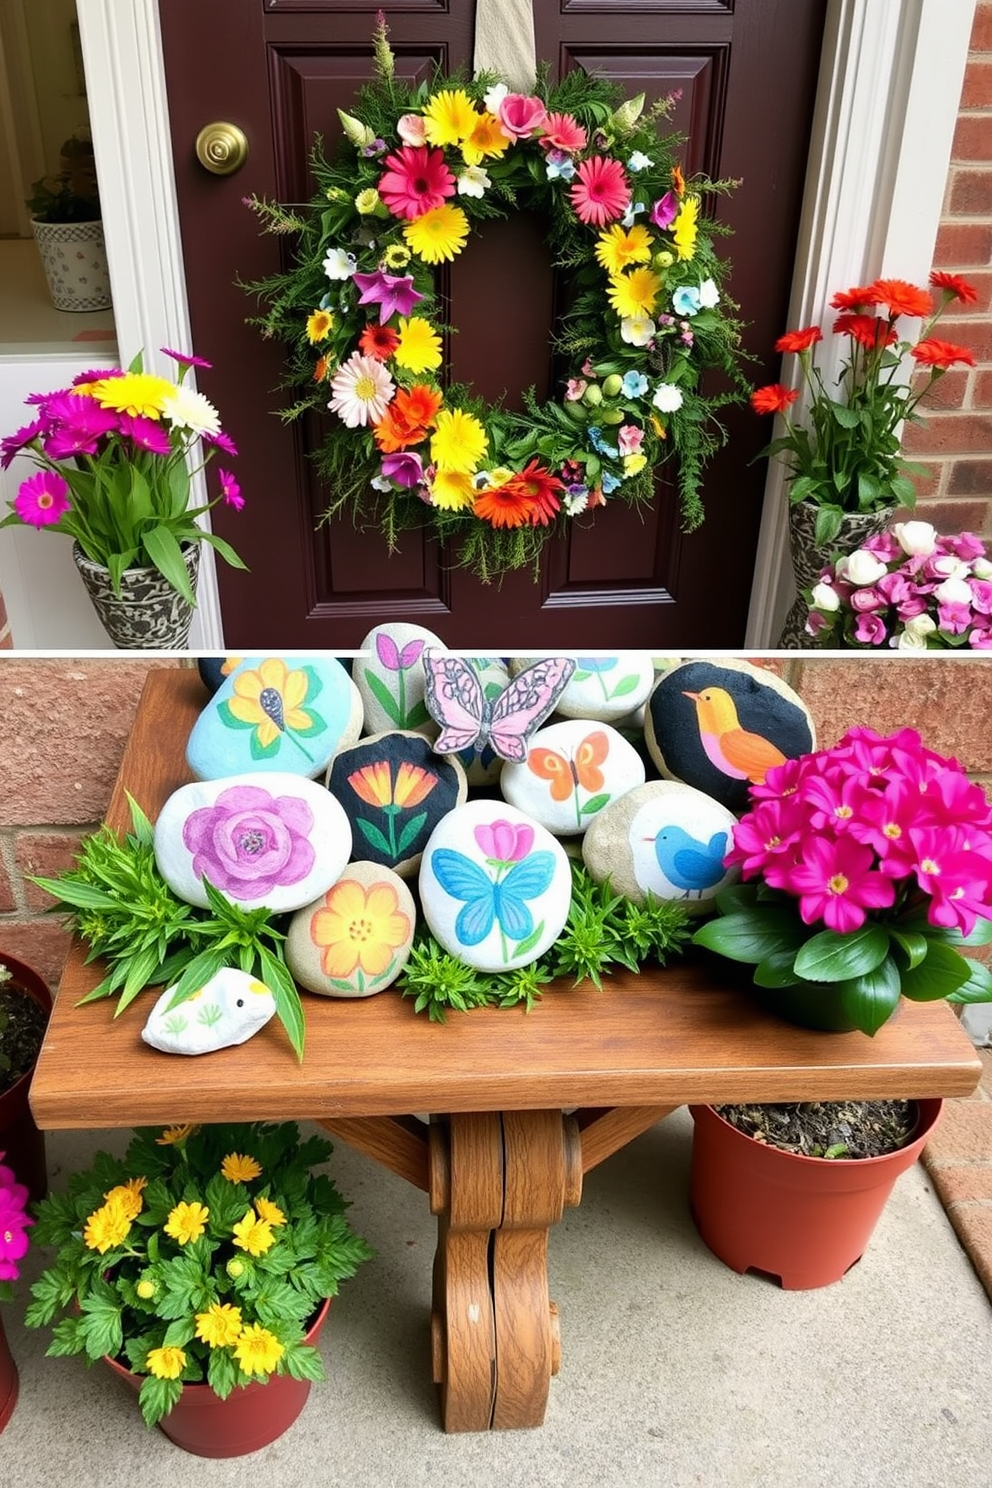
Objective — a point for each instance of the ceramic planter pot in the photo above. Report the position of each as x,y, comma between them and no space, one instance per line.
9,1379
251,1417
809,558
149,615
803,1219
75,262
20,1138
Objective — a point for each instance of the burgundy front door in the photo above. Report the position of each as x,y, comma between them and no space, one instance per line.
280,69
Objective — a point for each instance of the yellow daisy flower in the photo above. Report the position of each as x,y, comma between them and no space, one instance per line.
220,1325
439,234
257,1350
187,1222
271,697
173,1134
686,227
619,247
452,492
486,139
240,1169
458,442
253,1234
270,1212
146,1289
449,117
420,345
320,323
396,256
107,1227
635,293
165,1363
140,394
128,1195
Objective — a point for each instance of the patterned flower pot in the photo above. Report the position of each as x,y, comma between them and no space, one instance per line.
20,1139
809,559
251,1417
75,264
149,615
803,1219
9,1380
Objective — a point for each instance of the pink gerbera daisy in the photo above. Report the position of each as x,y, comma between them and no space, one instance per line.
230,490
563,132
601,193
42,499
417,181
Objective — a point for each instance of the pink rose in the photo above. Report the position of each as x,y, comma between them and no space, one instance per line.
412,129
522,115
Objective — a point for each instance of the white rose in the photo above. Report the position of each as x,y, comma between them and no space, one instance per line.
637,330
667,397
862,567
910,640
921,625
473,181
825,597
981,568
709,295
495,97
917,539
953,591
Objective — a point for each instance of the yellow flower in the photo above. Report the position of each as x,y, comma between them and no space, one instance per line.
633,464
141,394
257,1350
128,1195
634,293
396,256
271,697
439,234
270,1212
237,1168
620,247
173,1134
458,442
413,785
449,117
253,1234
165,1363
452,492
368,202
359,927
487,139
420,345
186,1222
235,1267
146,1289
685,227
220,1325
107,1227
320,323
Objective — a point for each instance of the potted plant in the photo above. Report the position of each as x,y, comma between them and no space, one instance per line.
200,1266
113,453
25,1004
65,220
846,474
14,1222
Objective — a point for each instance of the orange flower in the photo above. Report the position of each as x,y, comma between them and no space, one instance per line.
853,299
773,399
408,418
954,286
373,784
942,354
413,785
678,179
868,330
902,298
505,506
539,486
799,340
378,341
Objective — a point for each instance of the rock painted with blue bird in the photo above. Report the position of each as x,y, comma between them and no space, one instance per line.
228,1009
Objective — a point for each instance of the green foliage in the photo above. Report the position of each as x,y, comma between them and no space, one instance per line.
125,1287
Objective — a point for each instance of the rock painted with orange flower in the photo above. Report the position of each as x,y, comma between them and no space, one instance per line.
285,713
355,939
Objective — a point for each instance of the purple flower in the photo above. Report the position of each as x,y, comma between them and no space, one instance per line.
394,294
146,434
665,211
404,468
391,657
864,600
966,545
981,595
505,841
954,618
14,1221
230,489
249,841
183,359
222,441
12,444
870,630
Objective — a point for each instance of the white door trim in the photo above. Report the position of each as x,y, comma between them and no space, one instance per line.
887,102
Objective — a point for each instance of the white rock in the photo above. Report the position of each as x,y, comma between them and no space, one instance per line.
607,687
573,770
390,678
226,1010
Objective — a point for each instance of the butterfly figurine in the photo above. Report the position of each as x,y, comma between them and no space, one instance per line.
567,774
488,902
456,701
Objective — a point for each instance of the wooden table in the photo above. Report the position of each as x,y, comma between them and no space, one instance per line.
499,1158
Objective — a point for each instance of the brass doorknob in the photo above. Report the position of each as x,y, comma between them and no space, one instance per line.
221,148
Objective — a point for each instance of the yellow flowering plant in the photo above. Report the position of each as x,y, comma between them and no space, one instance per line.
200,1256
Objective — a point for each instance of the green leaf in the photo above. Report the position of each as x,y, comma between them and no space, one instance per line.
832,957
829,520
625,686
870,999
777,970
751,935
157,1397
303,1361
522,947
942,971
913,943
383,696
409,832
374,836
595,803
166,554
101,1322
79,895
229,719
289,1009
196,975
737,896
417,715
978,987
848,418
222,1372
223,548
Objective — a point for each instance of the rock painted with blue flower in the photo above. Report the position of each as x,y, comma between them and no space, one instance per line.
288,714
389,675
228,1009
495,886
606,688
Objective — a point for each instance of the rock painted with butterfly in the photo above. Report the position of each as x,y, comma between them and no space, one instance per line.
572,771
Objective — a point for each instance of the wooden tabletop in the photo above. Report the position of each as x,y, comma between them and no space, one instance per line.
663,1037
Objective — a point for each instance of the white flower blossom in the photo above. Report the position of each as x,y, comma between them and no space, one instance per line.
637,330
495,97
338,264
914,637
981,568
917,539
861,567
473,181
709,295
576,503
188,409
639,161
954,590
825,597
667,397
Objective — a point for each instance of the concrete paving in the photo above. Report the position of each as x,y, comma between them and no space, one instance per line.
676,1372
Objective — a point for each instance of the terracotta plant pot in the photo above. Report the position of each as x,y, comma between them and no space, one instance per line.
805,1220
251,1417
20,1138
9,1381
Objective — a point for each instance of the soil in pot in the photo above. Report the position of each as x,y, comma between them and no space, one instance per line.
26,1003
22,1028
849,1129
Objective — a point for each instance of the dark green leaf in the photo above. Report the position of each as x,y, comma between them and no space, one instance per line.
595,803
942,971
777,970
409,833
978,987
751,935
166,554
832,957
870,999
828,523
374,836
912,943
289,1009
383,697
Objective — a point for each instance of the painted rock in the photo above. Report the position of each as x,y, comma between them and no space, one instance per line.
279,713
495,886
355,939
272,841
390,678
227,1010
607,687
573,770
394,790
503,722
721,725
214,670
482,764
663,838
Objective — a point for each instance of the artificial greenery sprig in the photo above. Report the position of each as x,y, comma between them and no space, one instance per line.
119,904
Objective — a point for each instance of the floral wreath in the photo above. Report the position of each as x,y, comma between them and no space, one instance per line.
359,310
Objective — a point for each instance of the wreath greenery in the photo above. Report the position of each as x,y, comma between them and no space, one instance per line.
363,321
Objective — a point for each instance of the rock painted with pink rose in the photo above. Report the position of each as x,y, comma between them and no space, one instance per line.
356,938
495,886
573,771
270,841
389,675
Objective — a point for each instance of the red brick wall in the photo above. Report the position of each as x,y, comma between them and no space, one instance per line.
956,444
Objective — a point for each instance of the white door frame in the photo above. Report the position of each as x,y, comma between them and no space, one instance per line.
887,103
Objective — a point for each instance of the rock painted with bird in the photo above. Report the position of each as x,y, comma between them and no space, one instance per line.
227,1010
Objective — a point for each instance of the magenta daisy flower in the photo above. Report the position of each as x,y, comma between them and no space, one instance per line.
42,499
393,293
221,440
417,181
76,426
562,132
146,434
183,359
12,444
230,490
601,193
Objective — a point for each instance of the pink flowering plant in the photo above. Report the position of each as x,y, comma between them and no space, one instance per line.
115,453
907,588
866,866
14,1222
